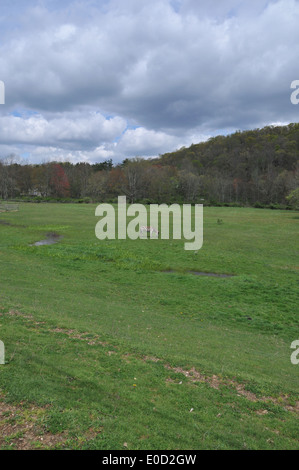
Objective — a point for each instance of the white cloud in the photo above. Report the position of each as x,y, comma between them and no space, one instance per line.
84,129
172,68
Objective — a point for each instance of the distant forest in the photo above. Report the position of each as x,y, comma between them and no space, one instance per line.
258,168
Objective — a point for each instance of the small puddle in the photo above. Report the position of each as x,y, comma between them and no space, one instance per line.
4,222
51,239
199,273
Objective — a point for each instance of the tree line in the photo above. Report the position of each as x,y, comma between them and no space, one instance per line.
256,167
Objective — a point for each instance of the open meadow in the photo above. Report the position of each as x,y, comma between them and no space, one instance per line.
117,344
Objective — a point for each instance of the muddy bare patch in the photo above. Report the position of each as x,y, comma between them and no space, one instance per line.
194,376
214,381
262,412
16,313
151,358
92,341
20,429
28,318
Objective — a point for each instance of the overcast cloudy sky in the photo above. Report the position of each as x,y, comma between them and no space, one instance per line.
89,80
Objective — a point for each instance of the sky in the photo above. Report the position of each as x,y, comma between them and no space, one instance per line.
98,79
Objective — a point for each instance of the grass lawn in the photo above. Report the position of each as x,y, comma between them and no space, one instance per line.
115,345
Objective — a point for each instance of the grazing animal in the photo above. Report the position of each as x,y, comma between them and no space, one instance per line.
149,229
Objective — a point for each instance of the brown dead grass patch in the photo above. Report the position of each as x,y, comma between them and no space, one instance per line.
80,336
214,381
19,428
17,313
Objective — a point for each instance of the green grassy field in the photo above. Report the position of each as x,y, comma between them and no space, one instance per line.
105,349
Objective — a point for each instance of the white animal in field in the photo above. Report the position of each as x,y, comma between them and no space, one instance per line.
148,229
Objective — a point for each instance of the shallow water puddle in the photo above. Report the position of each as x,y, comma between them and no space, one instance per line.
199,273
51,239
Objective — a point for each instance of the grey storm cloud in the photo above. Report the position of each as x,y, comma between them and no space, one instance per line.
97,79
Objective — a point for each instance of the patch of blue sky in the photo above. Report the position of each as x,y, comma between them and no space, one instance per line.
128,128
23,113
232,13
25,155
176,5
107,116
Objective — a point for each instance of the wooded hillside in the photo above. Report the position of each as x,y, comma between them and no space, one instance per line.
258,167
